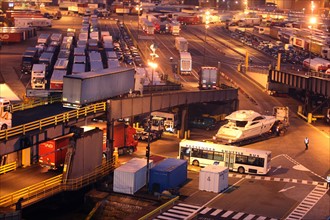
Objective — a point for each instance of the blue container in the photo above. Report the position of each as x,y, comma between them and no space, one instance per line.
168,174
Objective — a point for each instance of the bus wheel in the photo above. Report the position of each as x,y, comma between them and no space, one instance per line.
241,170
195,163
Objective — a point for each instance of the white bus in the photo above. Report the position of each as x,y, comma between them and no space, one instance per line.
238,159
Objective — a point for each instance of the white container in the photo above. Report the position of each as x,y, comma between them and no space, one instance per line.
131,176
213,178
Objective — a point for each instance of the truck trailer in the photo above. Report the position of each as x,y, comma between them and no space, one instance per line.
89,87
181,44
52,153
185,63
208,77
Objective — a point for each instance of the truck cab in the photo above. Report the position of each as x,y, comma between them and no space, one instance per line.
5,112
38,76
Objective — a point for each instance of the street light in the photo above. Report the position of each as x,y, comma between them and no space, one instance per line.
312,22
138,9
153,65
207,21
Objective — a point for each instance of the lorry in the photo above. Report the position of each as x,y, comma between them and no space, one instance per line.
48,60
181,44
174,28
33,22
56,81
208,77
185,63
89,87
314,65
29,58
52,153
249,22
43,39
38,76
171,120
6,115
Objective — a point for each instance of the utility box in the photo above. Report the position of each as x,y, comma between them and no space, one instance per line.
168,174
213,178
131,176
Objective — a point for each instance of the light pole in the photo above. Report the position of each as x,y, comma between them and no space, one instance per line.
138,9
153,65
312,22
207,21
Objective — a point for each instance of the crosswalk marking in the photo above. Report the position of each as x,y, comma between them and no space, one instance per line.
204,211
238,215
227,214
216,212
176,213
249,217
308,203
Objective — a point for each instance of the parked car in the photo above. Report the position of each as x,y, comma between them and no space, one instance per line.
203,123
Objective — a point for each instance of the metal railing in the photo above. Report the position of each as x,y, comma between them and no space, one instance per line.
159,209
55,185
34,192
8,167
35,102
52,121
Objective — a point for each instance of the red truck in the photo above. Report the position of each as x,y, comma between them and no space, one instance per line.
123,136
52,153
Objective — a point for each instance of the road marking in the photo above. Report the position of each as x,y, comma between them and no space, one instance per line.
286,189
308,203
277,168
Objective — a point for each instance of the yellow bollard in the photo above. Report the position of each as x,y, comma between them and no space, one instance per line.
178,134
300,109
309,118
188,136
185,135
116,155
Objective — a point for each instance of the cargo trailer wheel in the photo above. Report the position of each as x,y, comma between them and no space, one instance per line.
241,170
195,163
130,151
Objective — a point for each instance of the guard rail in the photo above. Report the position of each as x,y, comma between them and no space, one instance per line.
52,121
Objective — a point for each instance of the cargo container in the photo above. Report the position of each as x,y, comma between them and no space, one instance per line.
92,45
78,68
208,77
96,66
94,56
113,63
78,51
213,178
56,37
61,64
111,55
48,60
56,81
64,55
89,87
185,63
79,59
131,176
33,22
168,174
181,44
52,153
43,39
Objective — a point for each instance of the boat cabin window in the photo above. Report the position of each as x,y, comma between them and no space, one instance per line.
258,118
241,123
256,122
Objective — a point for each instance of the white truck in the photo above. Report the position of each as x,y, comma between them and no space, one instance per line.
181,44
171,120
208,77
314,65
174,28
33,22
5,112
249,22
185,63
38,76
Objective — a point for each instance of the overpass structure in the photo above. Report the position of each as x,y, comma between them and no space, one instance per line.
19,145
314,88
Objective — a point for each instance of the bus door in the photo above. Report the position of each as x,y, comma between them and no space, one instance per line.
229,160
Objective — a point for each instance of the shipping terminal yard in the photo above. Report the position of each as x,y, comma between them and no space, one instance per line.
165,110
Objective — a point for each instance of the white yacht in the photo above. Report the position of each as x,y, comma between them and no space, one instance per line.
244,124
